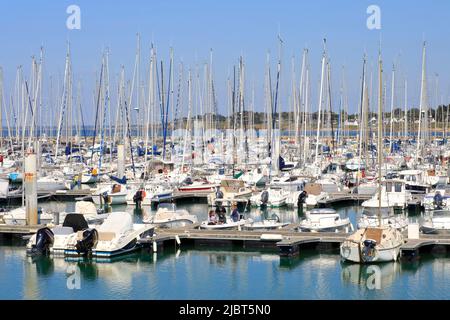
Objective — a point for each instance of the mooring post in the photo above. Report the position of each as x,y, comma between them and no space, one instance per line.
31,189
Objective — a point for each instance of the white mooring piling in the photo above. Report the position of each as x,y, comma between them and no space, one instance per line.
120,161
31,189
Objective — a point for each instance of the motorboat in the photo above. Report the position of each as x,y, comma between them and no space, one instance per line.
296,199
198,186
229,191
437,221
372,244
370,219
168,215
89,211
119,235
149,193
438,199
272,197
18,217
229,224
51,183
393,195
112,194
288,182
266,224
415,181
324,220
74,235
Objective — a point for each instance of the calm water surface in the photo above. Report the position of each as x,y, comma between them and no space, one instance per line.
190,273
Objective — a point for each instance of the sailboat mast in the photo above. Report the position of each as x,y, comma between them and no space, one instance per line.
380,133
320,104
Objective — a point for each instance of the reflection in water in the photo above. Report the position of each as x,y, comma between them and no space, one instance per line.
44,265
221,273
371,276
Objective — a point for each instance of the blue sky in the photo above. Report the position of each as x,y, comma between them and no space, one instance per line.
233,28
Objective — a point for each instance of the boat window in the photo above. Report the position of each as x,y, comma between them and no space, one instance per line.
398,187
402,177
413,178
388,186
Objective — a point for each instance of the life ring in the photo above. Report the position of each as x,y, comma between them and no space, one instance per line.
185,169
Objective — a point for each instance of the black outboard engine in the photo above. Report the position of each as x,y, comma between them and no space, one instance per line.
264,197
219,194
89,241
302,198
438,200
368,251
138,196
44,240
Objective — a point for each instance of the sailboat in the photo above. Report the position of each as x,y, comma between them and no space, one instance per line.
374,244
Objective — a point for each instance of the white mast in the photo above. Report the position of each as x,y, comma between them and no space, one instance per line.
380,133
392,107
320,101
406,108
423,105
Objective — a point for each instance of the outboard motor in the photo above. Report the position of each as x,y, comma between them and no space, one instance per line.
302,198
264,197
368,251
44,240
219,194
89,241
138,196
438,200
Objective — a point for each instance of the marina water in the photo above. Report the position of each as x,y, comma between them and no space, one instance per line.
213,273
